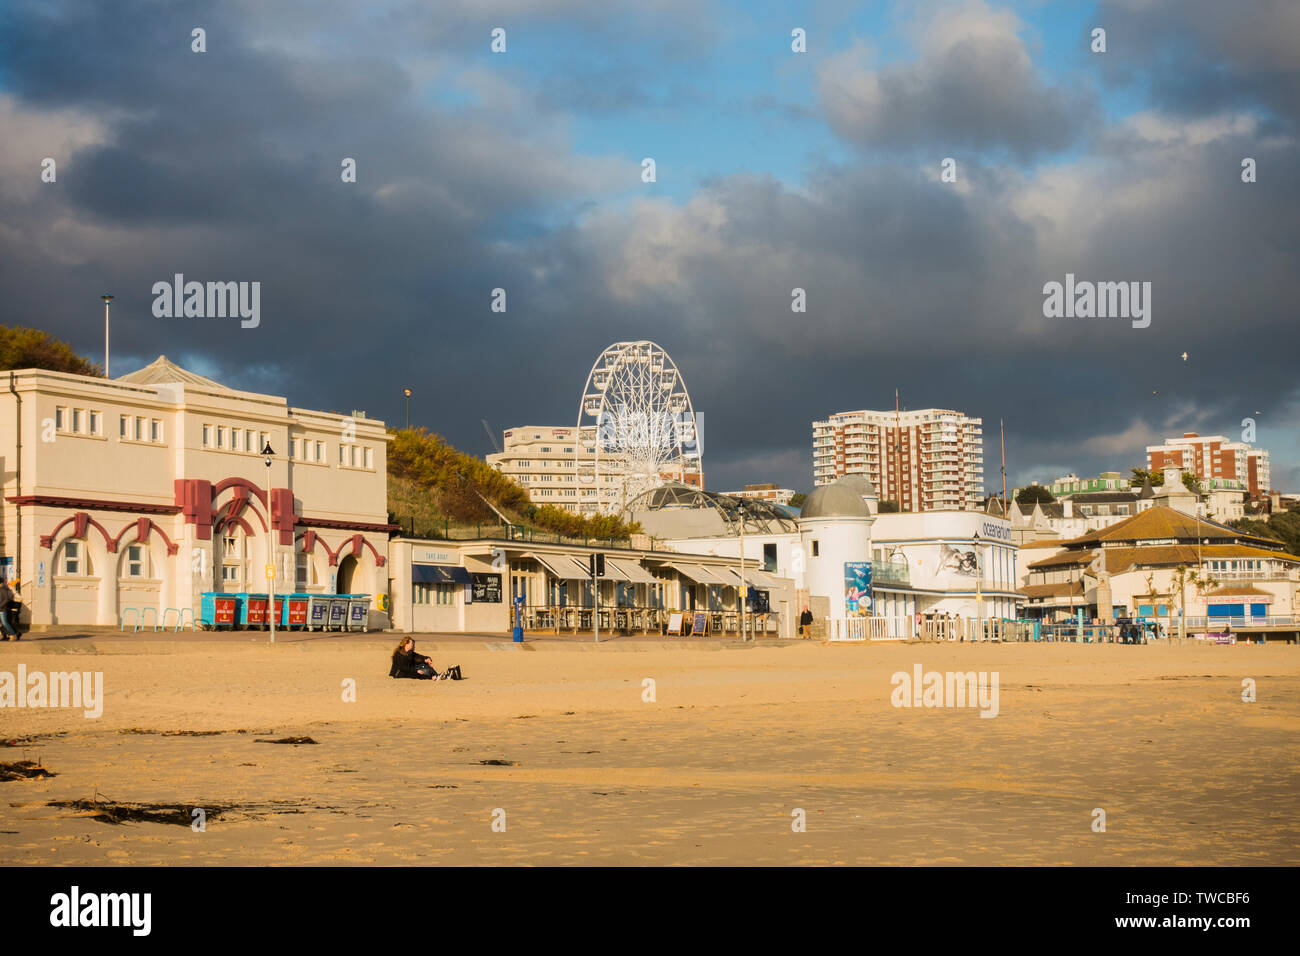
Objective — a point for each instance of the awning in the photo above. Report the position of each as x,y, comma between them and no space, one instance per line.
696,573
439,574
730,575
763,579
559,567
635,572
615,571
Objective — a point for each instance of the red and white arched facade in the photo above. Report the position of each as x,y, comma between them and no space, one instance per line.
164,493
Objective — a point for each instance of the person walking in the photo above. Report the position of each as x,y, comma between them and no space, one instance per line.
805,622
6,599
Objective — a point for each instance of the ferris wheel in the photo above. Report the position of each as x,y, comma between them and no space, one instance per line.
636,427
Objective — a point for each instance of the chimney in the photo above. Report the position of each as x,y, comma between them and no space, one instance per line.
1173,477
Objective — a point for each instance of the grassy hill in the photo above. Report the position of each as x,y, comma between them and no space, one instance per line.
436,490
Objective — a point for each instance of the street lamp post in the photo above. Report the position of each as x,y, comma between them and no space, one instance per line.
407,393
107,299
270,545
979,584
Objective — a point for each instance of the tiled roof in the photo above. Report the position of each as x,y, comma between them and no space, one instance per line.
1119,560
1039,591
1161,523
1242,590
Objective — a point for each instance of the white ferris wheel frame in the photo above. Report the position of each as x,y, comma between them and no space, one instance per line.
659,408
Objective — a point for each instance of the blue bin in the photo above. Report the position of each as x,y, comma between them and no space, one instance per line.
217,610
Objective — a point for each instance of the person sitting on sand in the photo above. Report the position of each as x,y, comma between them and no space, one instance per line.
407,663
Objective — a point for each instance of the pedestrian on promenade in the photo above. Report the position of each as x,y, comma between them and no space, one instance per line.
6,599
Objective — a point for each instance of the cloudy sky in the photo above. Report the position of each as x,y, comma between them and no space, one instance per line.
820,170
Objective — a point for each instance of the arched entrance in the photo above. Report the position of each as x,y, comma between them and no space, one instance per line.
347,572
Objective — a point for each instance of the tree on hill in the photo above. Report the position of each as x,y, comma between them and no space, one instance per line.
1141,475
31,348
1034,495
431,483
1282,526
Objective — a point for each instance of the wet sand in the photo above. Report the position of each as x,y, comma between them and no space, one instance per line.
710,772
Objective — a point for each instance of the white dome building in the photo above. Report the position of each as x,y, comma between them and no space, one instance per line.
835,535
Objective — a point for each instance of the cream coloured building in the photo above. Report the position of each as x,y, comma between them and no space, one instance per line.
142,492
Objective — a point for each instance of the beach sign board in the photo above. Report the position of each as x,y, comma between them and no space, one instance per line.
701,623
675,623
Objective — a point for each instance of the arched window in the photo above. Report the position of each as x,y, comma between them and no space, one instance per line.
74,558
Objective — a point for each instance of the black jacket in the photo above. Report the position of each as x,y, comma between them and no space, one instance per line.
407,664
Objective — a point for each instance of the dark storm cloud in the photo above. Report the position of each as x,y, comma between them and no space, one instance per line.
1203,57
226,166
972,85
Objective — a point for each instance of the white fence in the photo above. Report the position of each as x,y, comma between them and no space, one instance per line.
941,629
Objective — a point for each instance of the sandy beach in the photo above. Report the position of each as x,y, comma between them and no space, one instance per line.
554,743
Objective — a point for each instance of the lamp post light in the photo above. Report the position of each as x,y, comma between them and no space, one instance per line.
107,299
407,393
979,584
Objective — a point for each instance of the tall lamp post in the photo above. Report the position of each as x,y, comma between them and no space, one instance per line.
407,393
979,584
107,299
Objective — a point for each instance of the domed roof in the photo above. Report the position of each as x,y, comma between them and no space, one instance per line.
861,484
839,499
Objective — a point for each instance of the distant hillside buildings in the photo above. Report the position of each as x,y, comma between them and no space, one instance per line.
1214,458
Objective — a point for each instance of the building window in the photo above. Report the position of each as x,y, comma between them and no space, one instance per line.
446,593
73,559
816,550
370,460
221,437
96,423
155,430
60,417
207,434
137,565
230,573
139,429
305,571
236,438
420,594
124,427
320,452
293,448
76,421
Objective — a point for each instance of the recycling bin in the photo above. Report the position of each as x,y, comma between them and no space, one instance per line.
358,612
252,610
339,612
293,610
318,611
218,610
